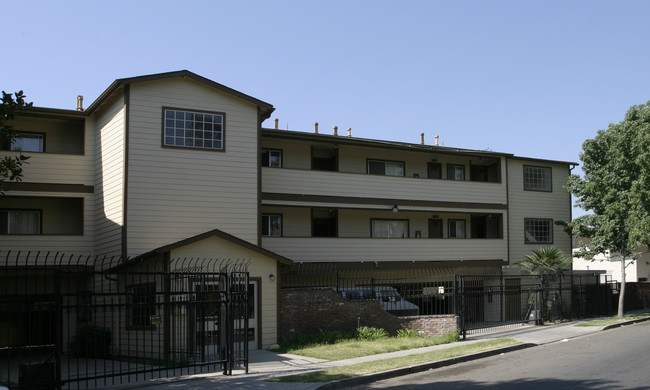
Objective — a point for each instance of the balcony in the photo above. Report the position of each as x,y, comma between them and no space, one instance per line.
336,184
321,249
57,168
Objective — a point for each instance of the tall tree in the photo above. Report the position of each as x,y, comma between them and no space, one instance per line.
11,166
615,189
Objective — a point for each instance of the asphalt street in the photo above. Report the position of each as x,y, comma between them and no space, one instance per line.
612,359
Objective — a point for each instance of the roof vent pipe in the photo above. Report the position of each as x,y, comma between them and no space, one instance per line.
349,132
437,136
276,120
80,103
421,138
336,130
315,127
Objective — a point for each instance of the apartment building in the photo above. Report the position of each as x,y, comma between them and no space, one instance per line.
175,165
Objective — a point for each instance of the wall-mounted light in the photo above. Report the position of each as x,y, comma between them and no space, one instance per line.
395,208
272,277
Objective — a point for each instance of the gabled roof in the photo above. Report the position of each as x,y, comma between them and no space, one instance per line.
266,108
215,233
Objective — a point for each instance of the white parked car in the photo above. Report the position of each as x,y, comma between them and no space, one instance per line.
388,298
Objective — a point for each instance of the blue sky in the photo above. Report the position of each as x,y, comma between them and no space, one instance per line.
531,78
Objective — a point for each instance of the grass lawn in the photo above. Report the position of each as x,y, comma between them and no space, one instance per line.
352,348
394,363
613,320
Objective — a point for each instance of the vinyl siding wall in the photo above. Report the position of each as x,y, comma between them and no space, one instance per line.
109,125
175,193
555,205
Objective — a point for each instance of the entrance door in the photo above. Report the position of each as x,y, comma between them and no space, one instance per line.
211,308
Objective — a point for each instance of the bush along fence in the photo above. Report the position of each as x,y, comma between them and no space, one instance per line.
87,322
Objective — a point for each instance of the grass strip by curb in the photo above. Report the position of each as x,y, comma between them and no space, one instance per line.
613,320
372,367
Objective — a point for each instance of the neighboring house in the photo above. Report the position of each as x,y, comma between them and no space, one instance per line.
177,165
608,265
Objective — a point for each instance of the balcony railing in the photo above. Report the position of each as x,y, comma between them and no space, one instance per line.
58,168
325,249
322,183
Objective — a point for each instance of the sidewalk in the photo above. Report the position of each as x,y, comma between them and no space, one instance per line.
265,365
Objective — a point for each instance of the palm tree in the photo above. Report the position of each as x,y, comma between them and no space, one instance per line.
549,263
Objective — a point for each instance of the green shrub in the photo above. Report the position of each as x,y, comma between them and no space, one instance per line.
329,336
408,333
91,342
368,333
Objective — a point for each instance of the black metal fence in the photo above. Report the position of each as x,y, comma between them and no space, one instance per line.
482,298
88,322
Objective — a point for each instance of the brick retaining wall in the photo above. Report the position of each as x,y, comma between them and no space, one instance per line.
310,310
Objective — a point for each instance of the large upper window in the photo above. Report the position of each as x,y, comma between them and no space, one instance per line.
272,158
388,168
271,225
193,129
390,228
537,178
538,231
20,222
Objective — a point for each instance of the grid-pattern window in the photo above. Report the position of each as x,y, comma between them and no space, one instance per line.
20,222
192,129
537,178
272,158
390,228
538,231
388,168
143,305
272,225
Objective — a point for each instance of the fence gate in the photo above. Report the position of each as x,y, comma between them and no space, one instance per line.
71,322
486,302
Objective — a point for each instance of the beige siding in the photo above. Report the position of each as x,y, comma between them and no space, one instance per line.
176,193
356,250
555,205
260,268
57,168
293,181
109,124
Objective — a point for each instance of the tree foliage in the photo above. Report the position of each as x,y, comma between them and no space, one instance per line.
11,166
615,189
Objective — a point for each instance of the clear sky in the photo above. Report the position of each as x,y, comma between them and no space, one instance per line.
530,78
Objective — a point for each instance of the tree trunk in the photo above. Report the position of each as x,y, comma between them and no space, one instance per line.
621,293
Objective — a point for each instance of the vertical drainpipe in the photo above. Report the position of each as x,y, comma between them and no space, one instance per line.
125,196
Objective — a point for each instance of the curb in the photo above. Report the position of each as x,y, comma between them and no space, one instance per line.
343,383
630,322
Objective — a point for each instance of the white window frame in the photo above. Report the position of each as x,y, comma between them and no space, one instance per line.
9,219
274,159
268,221
457,228
538,231
538,178
390,168
194,129
393,228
